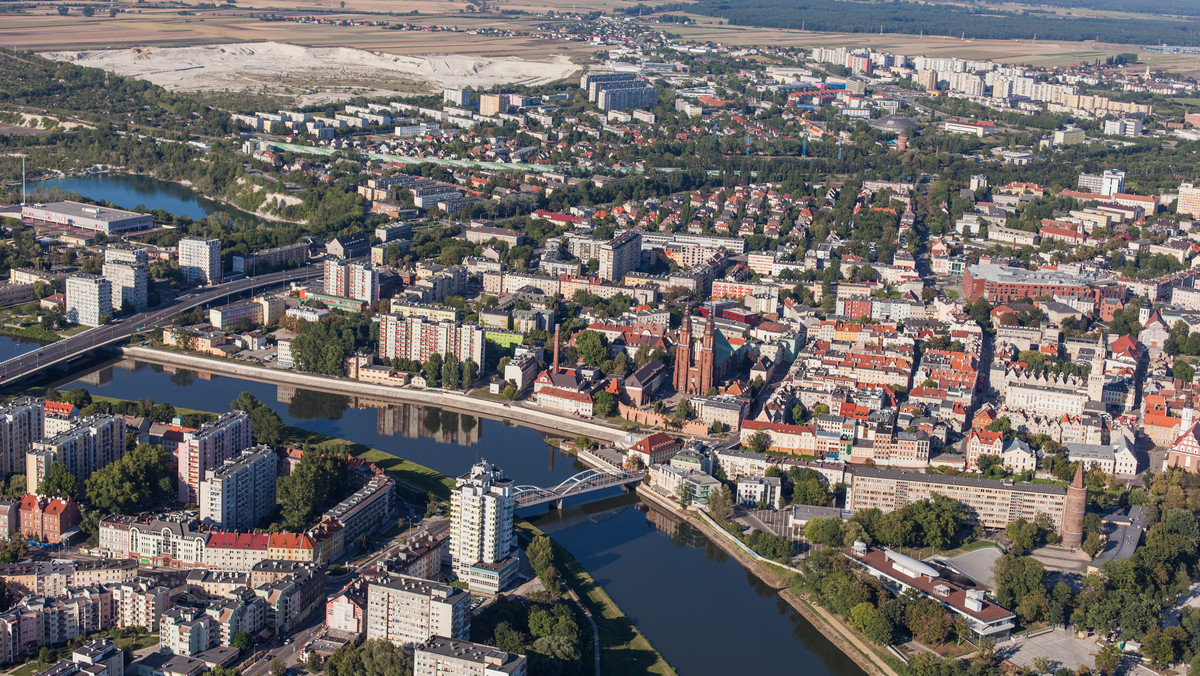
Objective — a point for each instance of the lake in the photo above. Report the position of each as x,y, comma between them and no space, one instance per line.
142,193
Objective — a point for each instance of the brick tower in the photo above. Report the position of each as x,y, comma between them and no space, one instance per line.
683,352
707,351
1074,508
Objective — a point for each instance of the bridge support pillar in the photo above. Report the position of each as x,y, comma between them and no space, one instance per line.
558,504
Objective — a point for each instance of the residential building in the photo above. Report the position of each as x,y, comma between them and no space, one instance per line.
346,613
759,490
620,256
239,493
46,519
1188,203
407,610
482,544
450,657
418,338
92,444
88,300
359,281
187,631
200,260
208,447
126,268
367,509
139,603
22,422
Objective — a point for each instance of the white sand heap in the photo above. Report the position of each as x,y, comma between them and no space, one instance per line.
251,65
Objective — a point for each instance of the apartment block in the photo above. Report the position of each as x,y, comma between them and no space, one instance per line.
239,493
450,657
92,444
359,281
22,422
418,338
126,268
88,300
187,631
1189,200
200,260
139,603
407,610
620,256
481,529
209,447
45,519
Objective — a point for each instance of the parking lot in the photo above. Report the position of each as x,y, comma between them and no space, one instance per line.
1059,646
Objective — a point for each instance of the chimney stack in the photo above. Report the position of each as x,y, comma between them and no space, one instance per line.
554,367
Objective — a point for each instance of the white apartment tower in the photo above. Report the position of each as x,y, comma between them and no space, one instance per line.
89,300
126,267
409,610
620,256
209,447
200,260
481,519
239,493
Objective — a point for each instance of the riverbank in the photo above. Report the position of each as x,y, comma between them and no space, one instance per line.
836,631
545,421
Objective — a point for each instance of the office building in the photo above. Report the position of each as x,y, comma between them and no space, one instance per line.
481,529
450,657
359,281
88,217
239,493
89,300
22,422
408,610
992,504
200,260
94,443
207,448
418,338
620,256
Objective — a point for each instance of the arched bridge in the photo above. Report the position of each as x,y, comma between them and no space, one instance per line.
587,481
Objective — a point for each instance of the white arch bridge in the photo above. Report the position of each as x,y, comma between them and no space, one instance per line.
587,481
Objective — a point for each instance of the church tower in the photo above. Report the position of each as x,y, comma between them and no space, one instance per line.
1096,376
707,345
683,352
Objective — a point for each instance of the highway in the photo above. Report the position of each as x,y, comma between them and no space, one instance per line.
125,327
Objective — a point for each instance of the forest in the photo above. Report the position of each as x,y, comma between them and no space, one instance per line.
944,19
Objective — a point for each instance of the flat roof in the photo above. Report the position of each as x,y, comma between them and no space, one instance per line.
80,210
497,659
966,482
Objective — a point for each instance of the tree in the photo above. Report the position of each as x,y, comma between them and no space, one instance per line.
808,489
433,370
717,427
540,553
451,373
63,10
1183,371
605,404
319,480
277,667
1108,659
759,442
872,623
824,531
592,347
265,424
89,10
141,479
59,480
1015,577
683,493
720,504
1022,535
928,621
314,664
243,641
470,373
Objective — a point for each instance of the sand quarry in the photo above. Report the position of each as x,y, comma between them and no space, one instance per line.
320,71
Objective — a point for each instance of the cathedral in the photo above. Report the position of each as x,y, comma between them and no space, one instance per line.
700,365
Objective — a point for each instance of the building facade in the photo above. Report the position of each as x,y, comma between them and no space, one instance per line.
200,260
239,493
88,300
208,447
481,526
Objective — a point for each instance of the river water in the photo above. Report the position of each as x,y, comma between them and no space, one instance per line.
700,608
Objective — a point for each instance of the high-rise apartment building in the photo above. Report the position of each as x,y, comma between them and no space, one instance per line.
95,442
126,267
209,447
450,657
1189,200
481,529
408,610
457,97
359,281
620,255
239,493
139,603
89,300
200,260
22,422
418,338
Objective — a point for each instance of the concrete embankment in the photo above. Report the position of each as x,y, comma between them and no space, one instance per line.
488,408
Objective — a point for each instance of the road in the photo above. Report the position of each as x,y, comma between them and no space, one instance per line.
126,327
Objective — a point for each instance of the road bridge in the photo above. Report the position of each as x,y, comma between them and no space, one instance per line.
587,481
80,344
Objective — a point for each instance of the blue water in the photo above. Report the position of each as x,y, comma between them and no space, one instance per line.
139,192
15,347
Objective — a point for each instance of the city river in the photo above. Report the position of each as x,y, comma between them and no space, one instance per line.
698,607
701,609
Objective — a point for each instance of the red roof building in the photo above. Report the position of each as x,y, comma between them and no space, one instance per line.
48,519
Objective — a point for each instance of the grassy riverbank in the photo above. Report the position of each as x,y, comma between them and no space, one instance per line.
624,649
